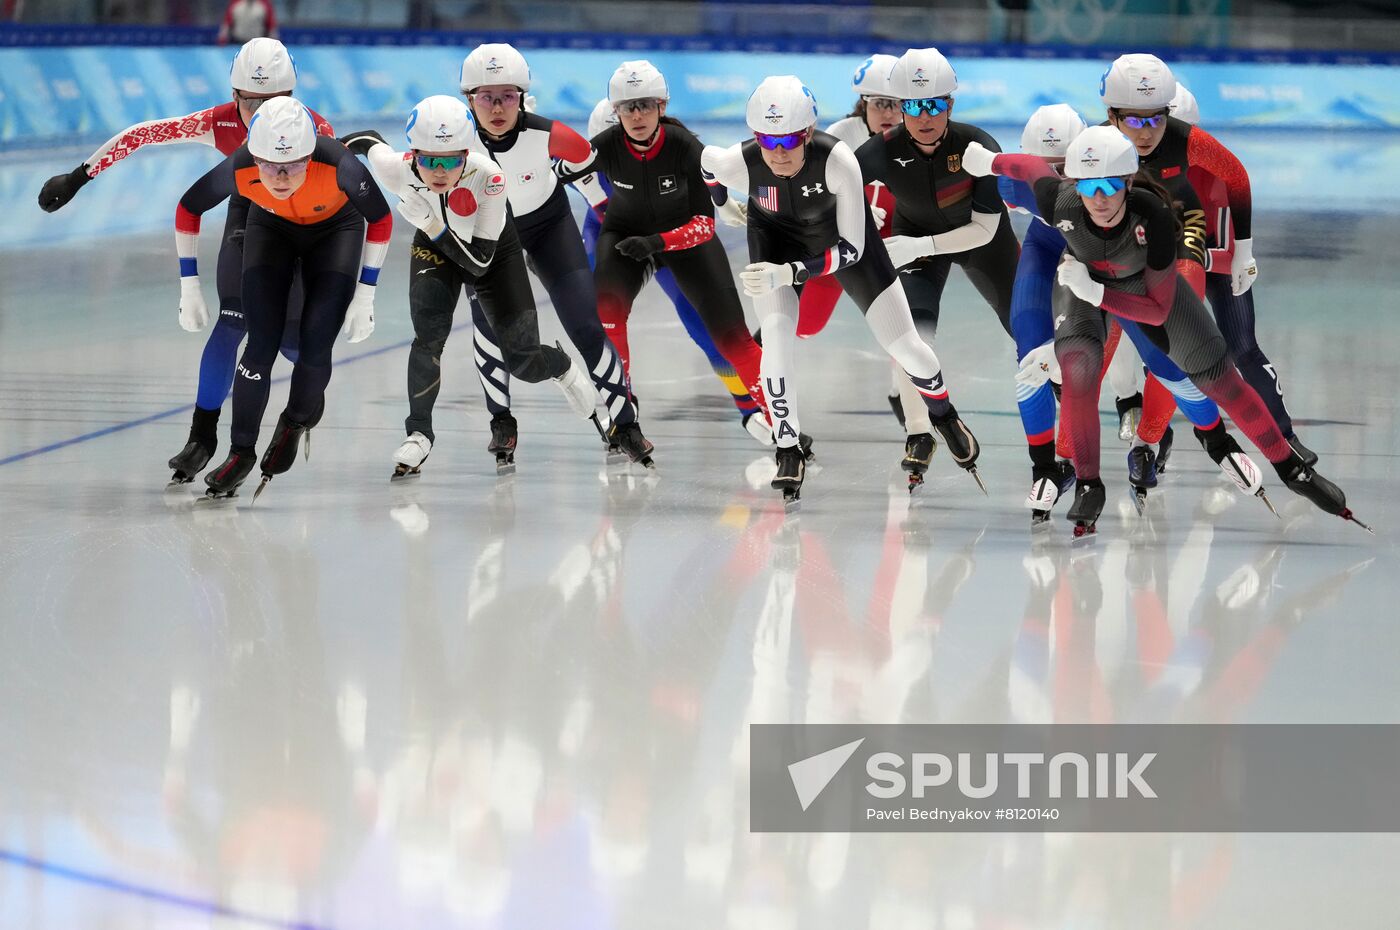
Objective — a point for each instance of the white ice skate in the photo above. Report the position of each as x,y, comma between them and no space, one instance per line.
409,459
578,390
1240,469
756,425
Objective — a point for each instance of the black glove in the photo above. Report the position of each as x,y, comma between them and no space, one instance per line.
361,142
640,248
60,188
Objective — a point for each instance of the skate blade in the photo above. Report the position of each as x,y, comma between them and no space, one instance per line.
178,480
1040,520
398,476
647,463
792,505
1348,515
1085,534
215,498
1267,503
306,446
505,469
266,479
1140,500
978,478
602,433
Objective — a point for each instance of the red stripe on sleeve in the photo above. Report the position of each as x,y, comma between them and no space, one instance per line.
185,221
700,229
380,230
1205,151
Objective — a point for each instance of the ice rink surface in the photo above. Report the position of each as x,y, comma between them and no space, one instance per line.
523,702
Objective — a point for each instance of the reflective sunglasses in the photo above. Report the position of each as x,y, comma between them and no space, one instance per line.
1088,187
636,106
930,105
289,168
789,140
1138,122
445,162
488,98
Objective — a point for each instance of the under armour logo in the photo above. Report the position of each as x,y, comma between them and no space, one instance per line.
1065,226
904,162
814,189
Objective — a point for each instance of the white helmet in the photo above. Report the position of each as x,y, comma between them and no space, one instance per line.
602,117
780,105
1051,129
1137,82
637,80
1100,152
1184,106
282,130
921,73
440,124
495,63
872,78
263,66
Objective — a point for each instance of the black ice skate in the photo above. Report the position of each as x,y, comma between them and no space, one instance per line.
629,440
1308,456
281,453
1129,415
897,405
1225,452
191,460
961,444
918,453
1088,504
503,441
792,469
1048,485
224,481
1303,481
1142,473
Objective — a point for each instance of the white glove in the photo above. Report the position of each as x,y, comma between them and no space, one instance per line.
762,278
1243,270
878,214
1039,366
906,249
416,206
194,314
528,104
359,318
734,213
977,160
1074,275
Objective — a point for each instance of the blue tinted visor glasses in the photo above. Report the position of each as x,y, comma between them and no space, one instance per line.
789,140
930,105
1107,186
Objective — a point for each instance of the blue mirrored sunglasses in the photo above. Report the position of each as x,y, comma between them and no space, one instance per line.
930,105
790,140
1108,186
445,162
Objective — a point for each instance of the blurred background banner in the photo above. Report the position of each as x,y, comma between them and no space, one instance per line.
76,95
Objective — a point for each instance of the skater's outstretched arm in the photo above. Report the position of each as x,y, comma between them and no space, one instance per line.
723,168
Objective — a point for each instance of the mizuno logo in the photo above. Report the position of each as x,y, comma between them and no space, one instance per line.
904,162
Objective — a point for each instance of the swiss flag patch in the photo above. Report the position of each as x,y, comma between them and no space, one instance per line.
461,201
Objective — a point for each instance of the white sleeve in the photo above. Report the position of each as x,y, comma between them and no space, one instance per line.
390,168
591,189
976,233
843,179
724,168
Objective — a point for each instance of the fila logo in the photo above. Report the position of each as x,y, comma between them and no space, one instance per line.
250,375
814,189
904,162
